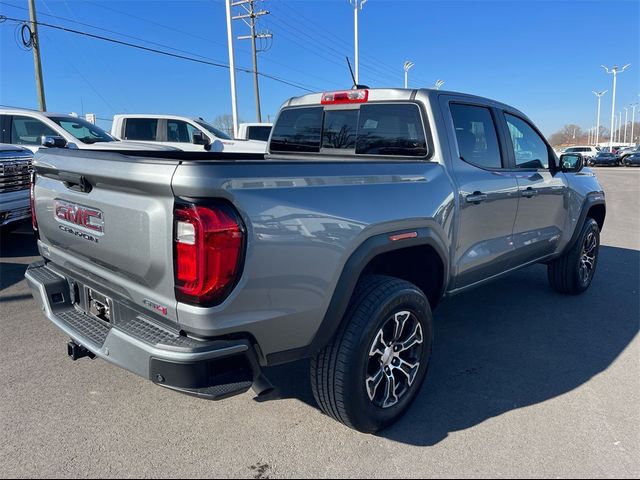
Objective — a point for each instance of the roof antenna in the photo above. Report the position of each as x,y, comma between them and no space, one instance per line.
353,77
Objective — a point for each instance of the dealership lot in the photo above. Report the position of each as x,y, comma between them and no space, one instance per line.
523,382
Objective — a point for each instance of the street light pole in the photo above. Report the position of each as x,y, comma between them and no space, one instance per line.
599,95
633,119
407,66
626,122
614,70
232,70
357,5
619,126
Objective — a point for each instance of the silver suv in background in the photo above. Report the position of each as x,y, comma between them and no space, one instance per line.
15,181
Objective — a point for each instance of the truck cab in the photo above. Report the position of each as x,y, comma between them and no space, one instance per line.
178,132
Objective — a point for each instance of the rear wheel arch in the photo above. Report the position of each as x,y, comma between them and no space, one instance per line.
421,260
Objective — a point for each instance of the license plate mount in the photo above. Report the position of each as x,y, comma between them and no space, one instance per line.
99,305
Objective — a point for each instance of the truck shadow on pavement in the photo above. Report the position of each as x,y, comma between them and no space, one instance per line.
511,344
21,243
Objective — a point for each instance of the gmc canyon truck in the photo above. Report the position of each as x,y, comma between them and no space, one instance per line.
196,270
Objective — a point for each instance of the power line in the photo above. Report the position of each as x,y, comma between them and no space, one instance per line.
159,52
150,42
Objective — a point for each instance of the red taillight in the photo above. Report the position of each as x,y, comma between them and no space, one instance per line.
32,202
347,96
209,244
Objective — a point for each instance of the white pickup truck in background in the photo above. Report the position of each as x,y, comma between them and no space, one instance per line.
255,131
178,132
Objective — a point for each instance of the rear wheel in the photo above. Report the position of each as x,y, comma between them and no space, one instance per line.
372,370
573,272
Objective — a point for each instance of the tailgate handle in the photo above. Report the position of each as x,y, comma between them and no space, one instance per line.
73,181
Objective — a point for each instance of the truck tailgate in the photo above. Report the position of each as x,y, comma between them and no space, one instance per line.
109,218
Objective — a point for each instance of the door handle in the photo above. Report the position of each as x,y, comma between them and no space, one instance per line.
529,193
476,197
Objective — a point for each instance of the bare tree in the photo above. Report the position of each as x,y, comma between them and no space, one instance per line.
225,123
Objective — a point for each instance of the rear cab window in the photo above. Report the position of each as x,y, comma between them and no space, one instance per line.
385,129
258,132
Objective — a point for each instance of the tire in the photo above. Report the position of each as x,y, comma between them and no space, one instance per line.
348,370
567,273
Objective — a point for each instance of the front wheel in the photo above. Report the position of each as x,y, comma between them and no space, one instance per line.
573,272
372,370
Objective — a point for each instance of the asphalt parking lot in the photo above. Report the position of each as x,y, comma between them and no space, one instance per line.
523,382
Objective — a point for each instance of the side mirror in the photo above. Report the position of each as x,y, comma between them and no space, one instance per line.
199,138
571,162
53,141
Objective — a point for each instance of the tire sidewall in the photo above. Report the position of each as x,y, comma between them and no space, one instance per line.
365,415
589,227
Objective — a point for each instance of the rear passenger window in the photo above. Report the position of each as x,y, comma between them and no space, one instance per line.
140,129
530,149
476,135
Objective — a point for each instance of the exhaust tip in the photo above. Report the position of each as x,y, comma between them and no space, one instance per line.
262,386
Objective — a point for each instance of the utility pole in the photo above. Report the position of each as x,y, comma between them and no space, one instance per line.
37,64
232,70
249,17
357,5
614,70
599,95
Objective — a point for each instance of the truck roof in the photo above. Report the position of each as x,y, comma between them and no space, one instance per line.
158,116
391,94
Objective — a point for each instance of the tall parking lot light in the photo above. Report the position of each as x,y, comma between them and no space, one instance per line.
599,95
633,118
626,121
357,5
619,126
614,70
407,66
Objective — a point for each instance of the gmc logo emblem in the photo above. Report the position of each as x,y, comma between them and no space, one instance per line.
87,218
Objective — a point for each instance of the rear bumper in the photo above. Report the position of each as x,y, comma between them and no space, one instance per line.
209,369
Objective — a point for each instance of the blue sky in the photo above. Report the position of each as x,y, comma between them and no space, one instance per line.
543,57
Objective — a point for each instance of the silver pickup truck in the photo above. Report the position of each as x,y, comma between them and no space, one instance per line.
196,270
15,179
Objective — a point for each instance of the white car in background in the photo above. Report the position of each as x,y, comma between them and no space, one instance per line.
28,127
588,152
184,133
